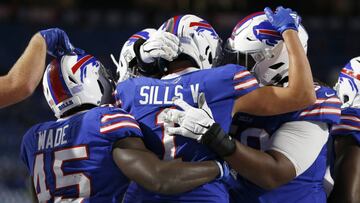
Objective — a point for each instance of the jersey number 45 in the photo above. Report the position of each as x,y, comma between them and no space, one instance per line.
79,180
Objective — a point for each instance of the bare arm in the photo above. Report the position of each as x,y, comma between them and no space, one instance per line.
300,93
267,170
347,171
25,75
285,156
166,177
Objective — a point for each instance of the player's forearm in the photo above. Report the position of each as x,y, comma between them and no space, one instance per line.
26,73
178,177
261,168
165,177
300,76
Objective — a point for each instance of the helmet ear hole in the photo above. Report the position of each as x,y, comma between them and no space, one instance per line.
210,59
276,65
276,79
101,87
71,79
346,98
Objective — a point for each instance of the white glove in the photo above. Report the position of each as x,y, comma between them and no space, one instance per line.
160,45
193,122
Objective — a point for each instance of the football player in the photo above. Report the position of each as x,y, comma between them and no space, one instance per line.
289,162
346,164
22,79
91,151
127,66
229,89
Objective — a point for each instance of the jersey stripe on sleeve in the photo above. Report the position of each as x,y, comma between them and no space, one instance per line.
244,82
323,106
118,125
117,120
108,117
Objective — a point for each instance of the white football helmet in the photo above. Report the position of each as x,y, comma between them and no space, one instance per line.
255,44
348,84
76,80
126,66
198,39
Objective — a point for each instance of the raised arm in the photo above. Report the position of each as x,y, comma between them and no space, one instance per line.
166,177
300,93
22,79
25,75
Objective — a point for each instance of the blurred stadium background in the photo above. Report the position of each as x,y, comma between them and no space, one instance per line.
100,27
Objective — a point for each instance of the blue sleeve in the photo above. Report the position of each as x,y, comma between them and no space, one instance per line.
26,150
116,124
229,81
349,124
124,94
327,107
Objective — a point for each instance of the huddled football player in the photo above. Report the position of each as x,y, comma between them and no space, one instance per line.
346,135
229,89
92,150
291,161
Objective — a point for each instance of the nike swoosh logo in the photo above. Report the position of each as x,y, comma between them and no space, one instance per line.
329,95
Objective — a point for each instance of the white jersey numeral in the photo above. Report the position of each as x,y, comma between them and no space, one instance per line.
255,137
39,179
80,180
167,140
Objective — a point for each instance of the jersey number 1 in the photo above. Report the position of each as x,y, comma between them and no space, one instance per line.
80,180
167,140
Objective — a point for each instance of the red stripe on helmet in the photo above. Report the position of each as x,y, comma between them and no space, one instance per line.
80,63
241,22
136,36
58,91
200,24
350,73
269,32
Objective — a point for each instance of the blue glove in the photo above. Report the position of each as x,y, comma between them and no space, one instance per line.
57,42
283,19
224,171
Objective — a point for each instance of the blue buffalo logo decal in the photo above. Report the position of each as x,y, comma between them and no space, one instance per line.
265,32
202,26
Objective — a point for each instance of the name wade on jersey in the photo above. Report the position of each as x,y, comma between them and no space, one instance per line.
162,95
52,138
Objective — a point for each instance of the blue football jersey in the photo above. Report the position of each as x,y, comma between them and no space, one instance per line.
146,98
256,131
71,159
348,126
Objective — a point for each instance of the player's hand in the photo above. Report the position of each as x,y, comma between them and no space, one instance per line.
283,18
57,42
193,122
161,44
